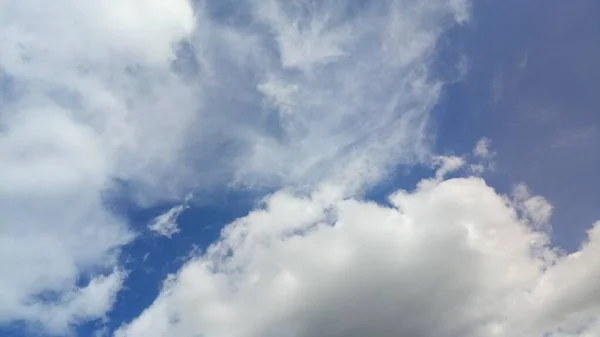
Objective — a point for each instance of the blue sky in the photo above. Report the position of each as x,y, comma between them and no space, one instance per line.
543,124
308,168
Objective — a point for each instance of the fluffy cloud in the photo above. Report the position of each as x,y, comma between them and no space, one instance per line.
157,97
142,30
69,117
452,258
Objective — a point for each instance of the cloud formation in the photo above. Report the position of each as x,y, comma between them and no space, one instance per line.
159,97
72,120
342,92
452,258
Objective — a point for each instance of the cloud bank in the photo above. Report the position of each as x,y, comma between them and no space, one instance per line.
452,258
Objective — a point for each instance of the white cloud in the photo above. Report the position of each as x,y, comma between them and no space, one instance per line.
536,208
76,121
335,88
305,40
447,164
164,98
54,224
166,223
89,302
141,30
451,258
348,92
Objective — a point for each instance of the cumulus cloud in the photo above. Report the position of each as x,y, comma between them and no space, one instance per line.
71,117
55,226
158,97
453,258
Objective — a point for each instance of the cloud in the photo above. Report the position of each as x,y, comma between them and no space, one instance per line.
166,223
485,155
452,258
337,93
159,97
142,31
179,99
55,227
447,164
89,302
74,121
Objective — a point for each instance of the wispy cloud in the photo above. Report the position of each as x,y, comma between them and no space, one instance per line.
166,96
335,92
166,224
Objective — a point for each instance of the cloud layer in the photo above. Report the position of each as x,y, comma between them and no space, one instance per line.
156,98
452,258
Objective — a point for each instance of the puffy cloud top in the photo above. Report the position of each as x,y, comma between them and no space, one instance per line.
452,258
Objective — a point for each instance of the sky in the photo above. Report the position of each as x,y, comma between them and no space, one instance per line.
260,168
